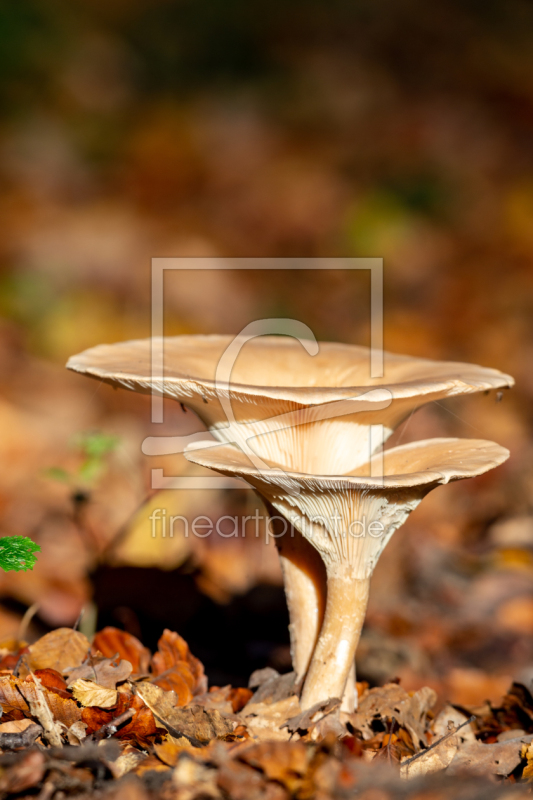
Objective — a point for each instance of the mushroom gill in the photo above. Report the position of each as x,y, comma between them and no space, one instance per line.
349,519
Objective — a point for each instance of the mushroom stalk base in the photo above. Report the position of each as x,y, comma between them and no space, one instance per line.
334,655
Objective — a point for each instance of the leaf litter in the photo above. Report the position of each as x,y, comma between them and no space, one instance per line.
113,719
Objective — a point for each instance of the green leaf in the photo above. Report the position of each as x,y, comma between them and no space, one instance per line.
95,447
91,469
96,444
17,553
57,474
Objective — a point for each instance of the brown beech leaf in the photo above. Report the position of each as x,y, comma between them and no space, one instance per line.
392,702
10,697
192,778
10,660
152,763
104,671
217,697
61,650
176,669
170,749
174,681
64,710
305,721
111,641
77,733
265,720
15,726
225,699
62,705
241,782
16,693
53,680
91,694
94,717
500,758
142,729
200,725
239,697
35,696
287,765
128,760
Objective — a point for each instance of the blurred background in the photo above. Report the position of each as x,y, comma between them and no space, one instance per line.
402,130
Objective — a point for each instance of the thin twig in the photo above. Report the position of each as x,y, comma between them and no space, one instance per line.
112,724
26,619
439,741
80,617
18,665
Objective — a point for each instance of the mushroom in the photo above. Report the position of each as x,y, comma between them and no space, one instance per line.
319,414
349,519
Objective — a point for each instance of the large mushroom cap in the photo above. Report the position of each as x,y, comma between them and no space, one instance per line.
278,367
425,463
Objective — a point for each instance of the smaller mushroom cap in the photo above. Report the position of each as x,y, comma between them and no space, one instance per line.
424,463
349,519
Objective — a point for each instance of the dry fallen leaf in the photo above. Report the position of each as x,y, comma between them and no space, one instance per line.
16,694
53,681
127,761
149,764
451,717
61,650
104,671
433,760
306,721
264,720
112,641
35,697
225,699
170,749
198,724
500,758
10,697
240,782
391,702
15,726
176,669
77,733
142,729
91,694
192,778
286,765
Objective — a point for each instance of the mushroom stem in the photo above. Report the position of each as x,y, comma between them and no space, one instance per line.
349,698
304,578
334,655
